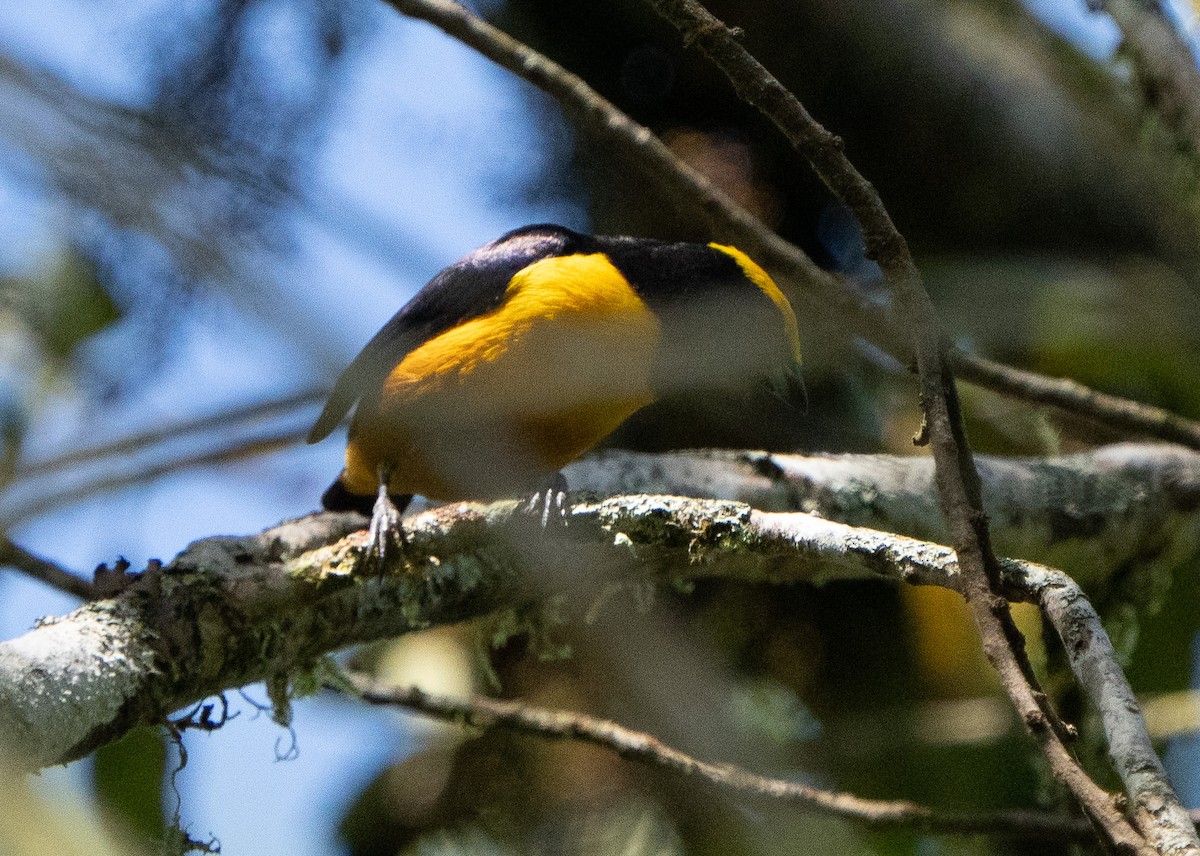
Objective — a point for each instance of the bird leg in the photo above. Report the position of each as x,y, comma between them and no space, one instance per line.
386,531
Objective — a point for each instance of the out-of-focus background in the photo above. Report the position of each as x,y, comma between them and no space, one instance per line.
207,208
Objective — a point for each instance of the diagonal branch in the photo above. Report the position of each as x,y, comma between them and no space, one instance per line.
234,434
957,479
1071,396
482,712
14,556
220,423
230,450
1165,66
820,295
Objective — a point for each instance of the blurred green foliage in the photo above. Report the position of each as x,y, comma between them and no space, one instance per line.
45,316
128,778
61,306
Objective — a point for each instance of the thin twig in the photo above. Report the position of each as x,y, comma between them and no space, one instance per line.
957,479
825,296
223,421
15,556
252,447
1073,397
482,712
30,498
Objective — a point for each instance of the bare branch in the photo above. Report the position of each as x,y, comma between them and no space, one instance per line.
238,449
30,564
637,145
957,479
1091,513
1095,666
1164,64
1071,396
215,423
234,434
482,712
1025,497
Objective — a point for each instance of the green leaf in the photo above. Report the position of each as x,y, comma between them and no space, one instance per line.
128,778
64,306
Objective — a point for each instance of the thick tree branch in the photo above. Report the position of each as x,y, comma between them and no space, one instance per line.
1092,513
819,294
482,712
228,611
957,479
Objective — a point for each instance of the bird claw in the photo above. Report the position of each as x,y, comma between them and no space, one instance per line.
552,496
386,534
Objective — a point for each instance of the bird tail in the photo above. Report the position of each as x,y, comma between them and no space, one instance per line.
337,497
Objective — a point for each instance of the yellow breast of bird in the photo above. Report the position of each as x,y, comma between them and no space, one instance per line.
503,400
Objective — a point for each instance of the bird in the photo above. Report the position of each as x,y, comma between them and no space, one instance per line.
533,349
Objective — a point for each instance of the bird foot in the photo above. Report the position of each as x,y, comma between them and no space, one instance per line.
385,537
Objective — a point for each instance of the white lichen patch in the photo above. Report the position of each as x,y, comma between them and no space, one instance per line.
64,679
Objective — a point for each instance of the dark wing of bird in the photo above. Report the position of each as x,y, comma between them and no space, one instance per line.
470,287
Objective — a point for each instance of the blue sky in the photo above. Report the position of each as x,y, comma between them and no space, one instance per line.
439,161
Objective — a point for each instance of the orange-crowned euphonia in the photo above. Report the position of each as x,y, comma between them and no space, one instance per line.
532,349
